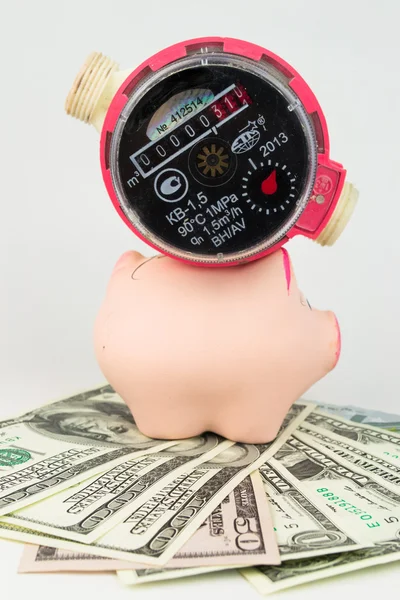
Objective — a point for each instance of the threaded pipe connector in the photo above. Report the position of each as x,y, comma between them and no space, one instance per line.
340,217
88,86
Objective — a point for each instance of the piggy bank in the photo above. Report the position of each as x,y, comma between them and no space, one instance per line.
225,350
215,152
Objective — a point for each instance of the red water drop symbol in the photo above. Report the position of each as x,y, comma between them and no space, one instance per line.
269,185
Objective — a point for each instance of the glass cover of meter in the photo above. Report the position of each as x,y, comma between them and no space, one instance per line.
213,160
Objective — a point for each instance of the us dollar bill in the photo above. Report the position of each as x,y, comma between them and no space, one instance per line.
380,470
268,580
238,532
46,559
358,414
88,510
301,528
154,532
368,511
381,443
151,574
60,444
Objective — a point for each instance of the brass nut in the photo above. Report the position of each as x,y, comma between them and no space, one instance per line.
89,85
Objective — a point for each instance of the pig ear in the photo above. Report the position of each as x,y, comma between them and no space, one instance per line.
128,260
123,269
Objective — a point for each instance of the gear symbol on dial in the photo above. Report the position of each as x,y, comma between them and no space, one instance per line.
213,162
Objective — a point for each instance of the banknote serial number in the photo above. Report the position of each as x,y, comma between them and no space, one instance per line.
348,507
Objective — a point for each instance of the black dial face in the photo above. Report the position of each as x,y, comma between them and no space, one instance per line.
214,160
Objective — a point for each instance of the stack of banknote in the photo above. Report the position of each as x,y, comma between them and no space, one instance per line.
86,491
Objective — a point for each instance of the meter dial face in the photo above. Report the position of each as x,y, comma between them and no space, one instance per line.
213,160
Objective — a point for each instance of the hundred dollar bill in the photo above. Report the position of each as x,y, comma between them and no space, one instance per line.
380,470
382,443
268,580
238,532
154,532
59,444
91,508
358,414
368,511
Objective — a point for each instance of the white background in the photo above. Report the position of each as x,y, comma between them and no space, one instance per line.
60,235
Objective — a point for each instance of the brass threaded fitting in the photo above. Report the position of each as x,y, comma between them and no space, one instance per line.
89,85
340,217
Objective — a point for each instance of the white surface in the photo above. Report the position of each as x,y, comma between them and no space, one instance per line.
379,583
60,235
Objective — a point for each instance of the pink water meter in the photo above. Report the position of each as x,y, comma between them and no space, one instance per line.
215,151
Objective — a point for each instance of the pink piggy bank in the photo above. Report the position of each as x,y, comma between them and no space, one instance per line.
193,349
